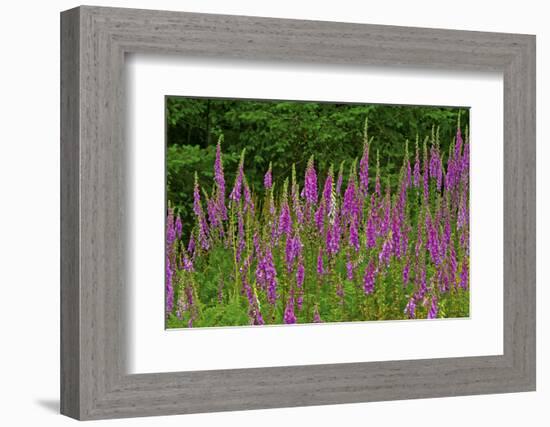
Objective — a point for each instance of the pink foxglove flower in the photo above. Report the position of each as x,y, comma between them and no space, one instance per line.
406,273
236,193
169,287
220,181
310,185
289,316
410,308
320,265
349,270
371,232
328,195
369,278
354,234
268,180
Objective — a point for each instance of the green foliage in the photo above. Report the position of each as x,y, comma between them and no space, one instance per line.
288,132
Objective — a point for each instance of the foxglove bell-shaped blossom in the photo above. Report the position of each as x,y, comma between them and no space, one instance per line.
369,278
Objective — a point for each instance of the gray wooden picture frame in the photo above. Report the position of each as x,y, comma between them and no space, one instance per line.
94,382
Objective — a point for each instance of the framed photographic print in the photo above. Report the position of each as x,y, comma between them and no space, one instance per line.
262,213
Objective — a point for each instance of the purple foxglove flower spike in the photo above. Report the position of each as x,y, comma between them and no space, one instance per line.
439,176
320,217
369,278
434,161
270,276
218,167
406,273
268,178
300,273
371,232
416,171
274,232
260,274
291,252
289,316
236,193
178,227
257,246
298,210
458,144
425,175
364,165
328,193
447,230
310,185
385,225
170,230
220,180
333,237
411,308
348,208
462,217
197,208
285,221
354,234
349,270
432,240
248,202
386,251
191,245
450,175
212,210
259,319
169,288
320,267
432,313
253,309
203,234
187,263
396,234
443,280
435,166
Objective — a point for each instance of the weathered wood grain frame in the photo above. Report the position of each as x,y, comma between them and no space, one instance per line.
94,382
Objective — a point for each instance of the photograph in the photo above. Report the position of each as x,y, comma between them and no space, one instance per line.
293,212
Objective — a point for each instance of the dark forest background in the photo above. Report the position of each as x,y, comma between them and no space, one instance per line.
286,132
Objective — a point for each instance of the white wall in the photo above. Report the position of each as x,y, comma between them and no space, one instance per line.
29,214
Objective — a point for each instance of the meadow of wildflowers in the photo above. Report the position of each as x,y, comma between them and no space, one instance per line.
336,246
